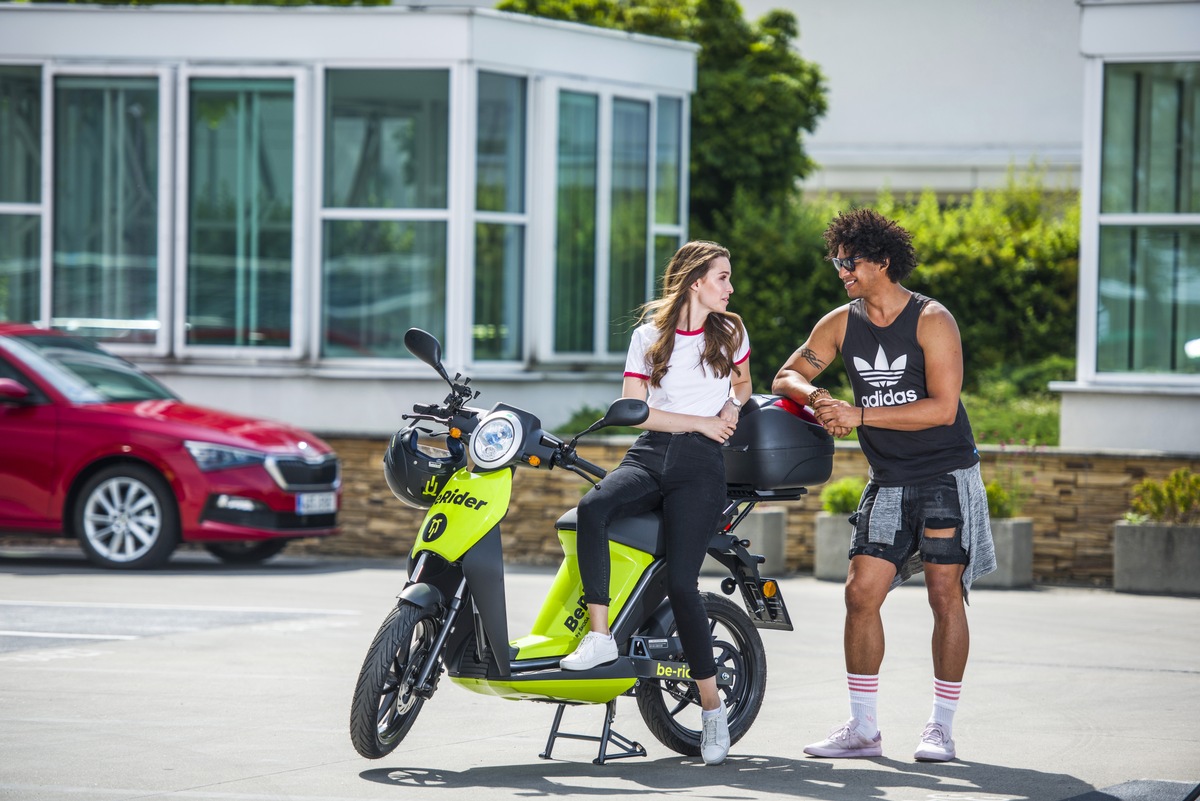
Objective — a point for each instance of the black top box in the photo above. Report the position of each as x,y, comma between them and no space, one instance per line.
778,444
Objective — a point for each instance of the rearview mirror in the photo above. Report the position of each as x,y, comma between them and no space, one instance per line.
13,391
626,412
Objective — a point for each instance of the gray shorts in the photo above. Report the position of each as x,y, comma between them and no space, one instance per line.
933,504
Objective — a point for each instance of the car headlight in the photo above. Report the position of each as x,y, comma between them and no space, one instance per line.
209,456
497,439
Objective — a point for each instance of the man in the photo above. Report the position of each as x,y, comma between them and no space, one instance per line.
925,503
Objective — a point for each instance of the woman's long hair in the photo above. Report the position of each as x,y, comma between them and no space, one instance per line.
723,331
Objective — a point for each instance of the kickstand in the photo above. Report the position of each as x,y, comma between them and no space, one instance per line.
607,737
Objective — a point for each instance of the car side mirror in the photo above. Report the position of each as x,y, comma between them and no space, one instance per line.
12,391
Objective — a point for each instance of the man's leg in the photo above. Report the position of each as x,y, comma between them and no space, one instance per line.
951,642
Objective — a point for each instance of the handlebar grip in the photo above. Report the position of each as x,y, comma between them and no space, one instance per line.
595,469
433,411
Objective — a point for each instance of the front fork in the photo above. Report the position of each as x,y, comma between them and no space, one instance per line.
430,597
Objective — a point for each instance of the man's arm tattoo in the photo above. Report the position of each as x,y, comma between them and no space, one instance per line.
811,357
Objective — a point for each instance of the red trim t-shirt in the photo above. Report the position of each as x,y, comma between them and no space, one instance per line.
688,387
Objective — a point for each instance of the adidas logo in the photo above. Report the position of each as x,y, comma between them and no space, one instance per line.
881,374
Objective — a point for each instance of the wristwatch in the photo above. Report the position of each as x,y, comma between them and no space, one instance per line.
737,404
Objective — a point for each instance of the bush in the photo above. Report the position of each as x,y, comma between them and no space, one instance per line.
1000,503
841,497
1174,500
584,417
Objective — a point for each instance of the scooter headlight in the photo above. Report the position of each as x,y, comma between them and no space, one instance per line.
496,440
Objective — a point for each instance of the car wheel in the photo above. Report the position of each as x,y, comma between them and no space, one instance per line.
126,518
245,553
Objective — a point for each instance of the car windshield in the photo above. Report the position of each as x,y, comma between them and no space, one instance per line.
83,372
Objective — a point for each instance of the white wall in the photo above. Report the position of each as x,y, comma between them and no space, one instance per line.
941,93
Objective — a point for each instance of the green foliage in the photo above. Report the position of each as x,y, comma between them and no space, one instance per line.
1174,500
842,496
1002,419
752,89
1000,503
584,417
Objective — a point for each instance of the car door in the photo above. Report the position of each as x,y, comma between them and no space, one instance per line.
27,456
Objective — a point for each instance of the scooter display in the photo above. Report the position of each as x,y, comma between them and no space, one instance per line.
451,616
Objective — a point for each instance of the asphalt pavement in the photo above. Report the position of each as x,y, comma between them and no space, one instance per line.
205,682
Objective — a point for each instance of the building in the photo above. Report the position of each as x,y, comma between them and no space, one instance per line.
1137,383
255,203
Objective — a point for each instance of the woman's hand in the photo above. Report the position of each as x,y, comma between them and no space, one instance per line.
716,428
729,413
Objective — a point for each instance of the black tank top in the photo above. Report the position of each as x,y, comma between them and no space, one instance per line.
886,367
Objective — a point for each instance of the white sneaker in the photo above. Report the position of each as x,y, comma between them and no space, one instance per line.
714,737
845,741
593,650
935,745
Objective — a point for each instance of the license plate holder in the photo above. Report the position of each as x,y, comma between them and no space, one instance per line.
316,503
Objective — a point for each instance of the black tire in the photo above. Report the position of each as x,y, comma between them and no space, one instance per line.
245,553
384,706
126,518
671,709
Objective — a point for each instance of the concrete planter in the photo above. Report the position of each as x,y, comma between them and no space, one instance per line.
832,547
766,528
1013,540
1156,558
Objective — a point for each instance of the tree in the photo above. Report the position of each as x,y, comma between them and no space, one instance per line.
752,89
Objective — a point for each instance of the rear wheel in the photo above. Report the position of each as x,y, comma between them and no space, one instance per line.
671,709
126,517
384,705
245,553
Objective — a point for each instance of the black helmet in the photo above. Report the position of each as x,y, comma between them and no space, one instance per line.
416,474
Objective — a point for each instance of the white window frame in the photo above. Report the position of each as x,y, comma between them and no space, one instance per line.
163,73
301,158
40,209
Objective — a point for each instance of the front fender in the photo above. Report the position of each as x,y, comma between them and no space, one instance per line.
424,596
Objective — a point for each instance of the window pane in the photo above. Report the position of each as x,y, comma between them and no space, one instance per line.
106,207
20,134
387,138
500,160
664,249
239,263
1150,152
1149,311
382,278
630,207
668,158
499,288
575,242
20,269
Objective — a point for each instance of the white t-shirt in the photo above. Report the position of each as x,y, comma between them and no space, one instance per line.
688,387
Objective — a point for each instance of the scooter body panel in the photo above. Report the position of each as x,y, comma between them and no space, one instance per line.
528,687
469,506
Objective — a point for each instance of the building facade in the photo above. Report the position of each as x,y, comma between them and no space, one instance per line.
255,203
1138,371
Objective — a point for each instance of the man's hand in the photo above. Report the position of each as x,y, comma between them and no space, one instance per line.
837,416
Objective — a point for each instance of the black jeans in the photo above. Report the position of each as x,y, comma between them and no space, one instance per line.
685,475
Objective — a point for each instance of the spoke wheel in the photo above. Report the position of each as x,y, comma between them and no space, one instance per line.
385,706
671,709
126,518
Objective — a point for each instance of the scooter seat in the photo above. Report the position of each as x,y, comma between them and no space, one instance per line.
642,531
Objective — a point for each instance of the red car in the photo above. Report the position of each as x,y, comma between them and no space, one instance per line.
93,447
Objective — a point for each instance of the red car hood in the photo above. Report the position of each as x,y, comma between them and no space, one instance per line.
196,422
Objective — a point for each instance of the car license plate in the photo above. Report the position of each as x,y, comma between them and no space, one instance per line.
316,503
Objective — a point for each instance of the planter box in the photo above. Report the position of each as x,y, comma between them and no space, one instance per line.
767,531
1013,540
831,555
1156,558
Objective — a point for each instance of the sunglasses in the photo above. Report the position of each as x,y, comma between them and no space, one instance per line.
845,264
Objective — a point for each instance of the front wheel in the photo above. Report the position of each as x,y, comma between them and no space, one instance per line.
671,709
384,705
126,518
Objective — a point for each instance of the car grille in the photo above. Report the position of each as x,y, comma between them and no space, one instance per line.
295,474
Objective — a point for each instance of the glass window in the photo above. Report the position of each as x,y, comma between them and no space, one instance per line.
106,207
499,256
630,224
387,138
240,200
668,160
20,267
382,278
20,134
575,241
1151,142
664,248
1149,309
500,155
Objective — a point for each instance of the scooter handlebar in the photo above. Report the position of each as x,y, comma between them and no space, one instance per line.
595,469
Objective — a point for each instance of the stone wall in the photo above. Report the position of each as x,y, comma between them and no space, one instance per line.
1073,498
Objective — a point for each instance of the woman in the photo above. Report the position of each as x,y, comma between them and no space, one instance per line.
689,361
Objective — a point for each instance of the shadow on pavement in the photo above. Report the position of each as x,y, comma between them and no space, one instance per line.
804,778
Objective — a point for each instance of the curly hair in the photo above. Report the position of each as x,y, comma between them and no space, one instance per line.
867,233
723,331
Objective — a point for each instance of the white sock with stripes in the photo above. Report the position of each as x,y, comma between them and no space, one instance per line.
945,703
864,690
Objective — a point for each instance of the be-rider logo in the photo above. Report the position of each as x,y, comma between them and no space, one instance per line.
884,374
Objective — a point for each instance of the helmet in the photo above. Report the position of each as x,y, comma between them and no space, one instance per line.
415,474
